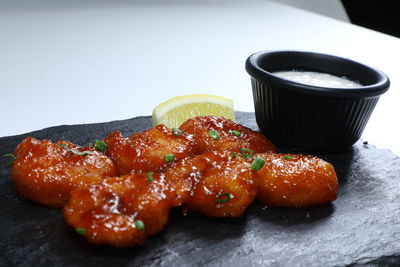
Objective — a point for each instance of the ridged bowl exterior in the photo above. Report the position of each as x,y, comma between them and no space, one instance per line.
306,122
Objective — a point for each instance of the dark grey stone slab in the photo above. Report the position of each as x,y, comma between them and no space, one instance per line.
361,228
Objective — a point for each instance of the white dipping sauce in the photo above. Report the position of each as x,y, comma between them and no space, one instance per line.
317,79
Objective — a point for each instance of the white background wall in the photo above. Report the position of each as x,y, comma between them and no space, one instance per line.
330,8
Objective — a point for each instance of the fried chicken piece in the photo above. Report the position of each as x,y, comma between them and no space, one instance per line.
121,211
213,133
295,180
46,172
217,183
149,150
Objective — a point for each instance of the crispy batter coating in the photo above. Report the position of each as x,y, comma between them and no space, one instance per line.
46,172
147,151
214,183
121,211
295,180
213,133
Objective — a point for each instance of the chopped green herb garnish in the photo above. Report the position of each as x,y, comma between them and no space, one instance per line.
169,158
100,145
224,197
257,164
11,156
214,134
76,151
246,153
139,225
81,231
235,133
288,157
233,155
82,153
150,176
176,131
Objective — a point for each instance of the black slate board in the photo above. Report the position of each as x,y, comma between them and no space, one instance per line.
361,228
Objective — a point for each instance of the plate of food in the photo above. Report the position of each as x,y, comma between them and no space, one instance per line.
212,191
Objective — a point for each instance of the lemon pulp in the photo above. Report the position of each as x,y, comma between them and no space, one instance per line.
178,109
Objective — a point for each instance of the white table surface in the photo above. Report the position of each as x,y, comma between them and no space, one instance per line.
73,62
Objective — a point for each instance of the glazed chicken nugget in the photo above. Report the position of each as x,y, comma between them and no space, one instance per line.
218,183
217,133
121,211
148,150
295,180
46,172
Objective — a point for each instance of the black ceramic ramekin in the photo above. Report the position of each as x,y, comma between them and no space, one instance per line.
307,117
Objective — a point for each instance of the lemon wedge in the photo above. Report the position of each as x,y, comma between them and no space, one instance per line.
178,109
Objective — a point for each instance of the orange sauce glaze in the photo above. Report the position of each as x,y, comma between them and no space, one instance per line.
200,127
146,151
207,175
214,183
109,211
295,180
46,172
